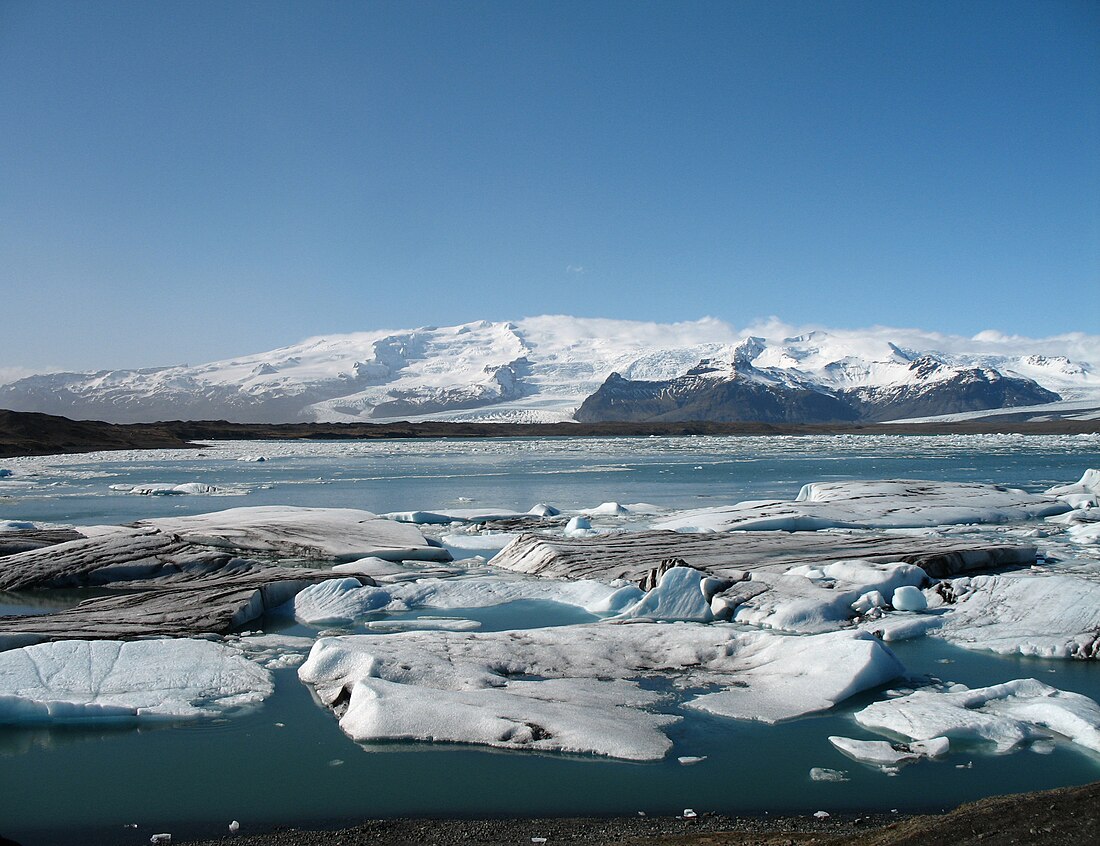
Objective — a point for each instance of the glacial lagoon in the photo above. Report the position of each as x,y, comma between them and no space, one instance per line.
286,761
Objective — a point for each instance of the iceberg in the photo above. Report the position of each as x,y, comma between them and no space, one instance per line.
92,681
450,681
1085,493
1006,715
894,504
1050,616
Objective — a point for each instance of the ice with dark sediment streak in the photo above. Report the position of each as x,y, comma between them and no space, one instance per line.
93,681
576,688
886,504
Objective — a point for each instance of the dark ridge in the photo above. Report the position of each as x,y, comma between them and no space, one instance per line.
30,433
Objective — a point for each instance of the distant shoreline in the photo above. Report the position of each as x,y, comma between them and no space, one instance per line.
30,433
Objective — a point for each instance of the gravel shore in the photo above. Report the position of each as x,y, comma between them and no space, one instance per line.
1063,817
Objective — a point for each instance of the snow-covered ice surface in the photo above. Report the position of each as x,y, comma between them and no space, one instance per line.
93,681
1004,715
903,504
521,689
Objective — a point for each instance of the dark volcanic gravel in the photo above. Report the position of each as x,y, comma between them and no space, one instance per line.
1063,817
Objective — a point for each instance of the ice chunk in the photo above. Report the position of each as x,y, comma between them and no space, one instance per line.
878,753
1005,715
909,598
578,523
543,510
1085,493
607,509
86,681
825,774
337,602
872,505
818,599
448,624
679,595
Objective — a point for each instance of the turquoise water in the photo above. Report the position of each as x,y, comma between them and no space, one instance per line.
287,762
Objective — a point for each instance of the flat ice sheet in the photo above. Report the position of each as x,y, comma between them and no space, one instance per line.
1052,616
333,533
1006,715
894,504
592,665
91,681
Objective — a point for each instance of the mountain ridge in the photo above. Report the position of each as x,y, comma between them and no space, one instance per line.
544,369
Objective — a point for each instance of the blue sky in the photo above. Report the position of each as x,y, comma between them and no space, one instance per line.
183,181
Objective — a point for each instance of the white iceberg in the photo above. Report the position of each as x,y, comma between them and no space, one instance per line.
92,681
447,683
1085,493
900,504
681,594
882,754
1005,715
808,599
337,602
1050,616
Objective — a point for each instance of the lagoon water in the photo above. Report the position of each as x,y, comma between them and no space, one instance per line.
287,762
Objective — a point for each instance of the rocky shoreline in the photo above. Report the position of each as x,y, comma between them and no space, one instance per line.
1059,817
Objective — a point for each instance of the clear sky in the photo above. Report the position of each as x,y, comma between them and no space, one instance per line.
184,181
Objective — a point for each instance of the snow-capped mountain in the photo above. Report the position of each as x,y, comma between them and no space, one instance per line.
544,368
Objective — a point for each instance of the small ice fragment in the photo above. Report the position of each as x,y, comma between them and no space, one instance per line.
577,523
689,815
335,762
280,725
1043,747
825,774
909,598
822,815
161,838
234,827
688,760
538,839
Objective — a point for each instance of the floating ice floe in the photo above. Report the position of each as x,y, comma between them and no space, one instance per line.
882,754
177,490
872,505
1006,715
1084,493
92,681
826,774
337,602
574,689
1051,616
455,515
